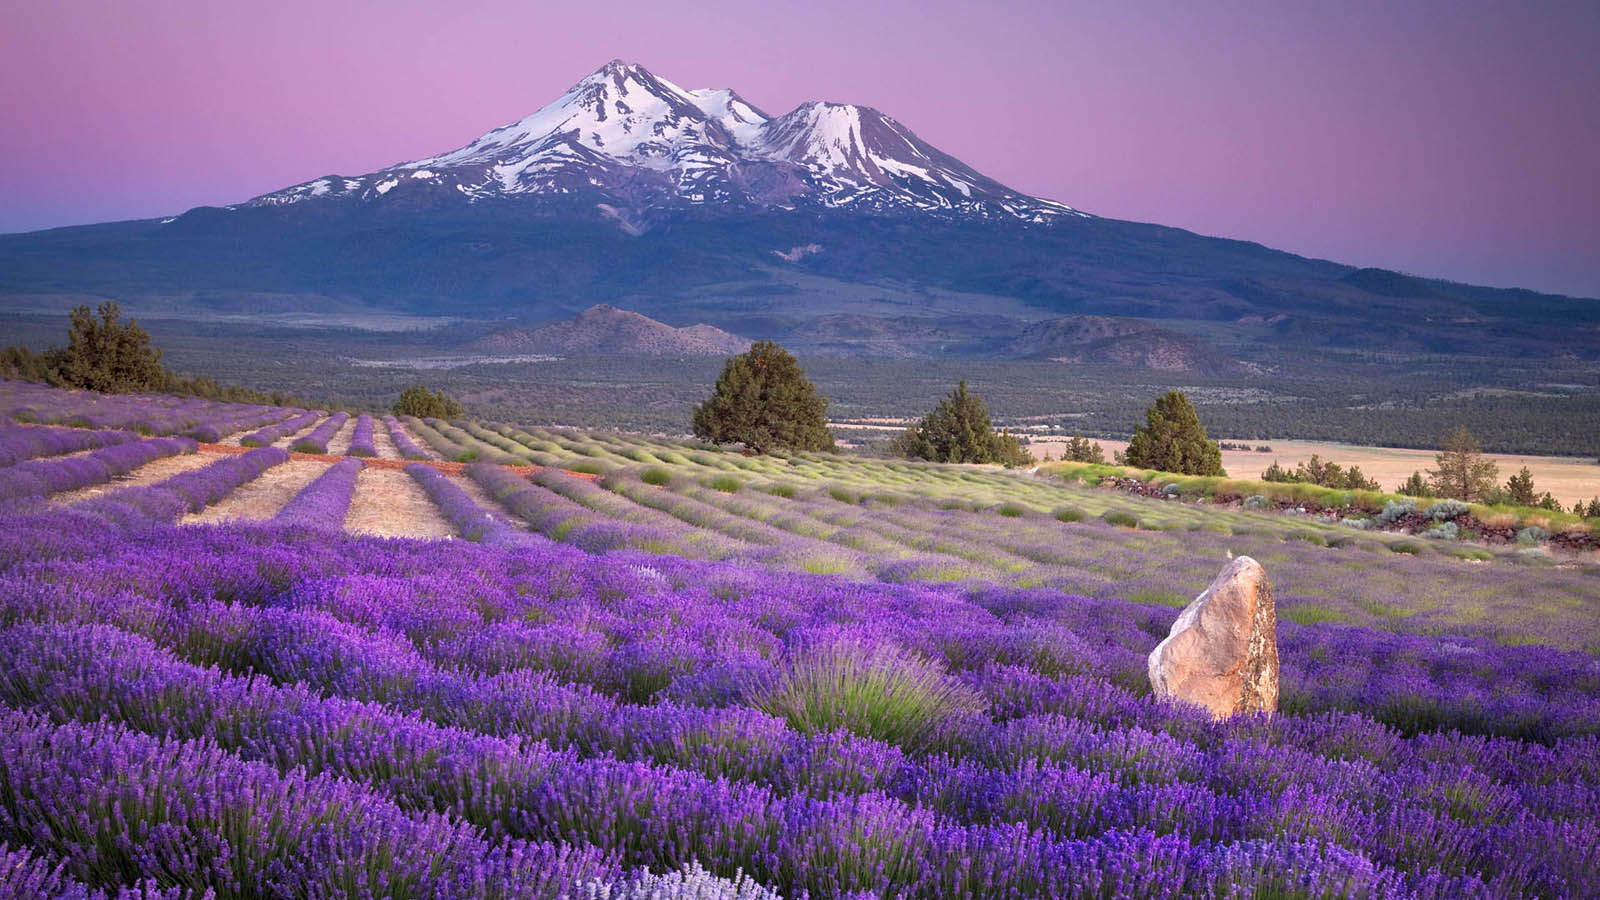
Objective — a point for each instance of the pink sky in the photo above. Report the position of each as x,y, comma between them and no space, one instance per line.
1453,139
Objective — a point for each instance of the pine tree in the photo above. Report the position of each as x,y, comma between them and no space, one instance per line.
1081,449
764,401
1173,440
1463,473
1519,489
959,430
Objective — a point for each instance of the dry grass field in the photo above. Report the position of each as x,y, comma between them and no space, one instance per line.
1570,479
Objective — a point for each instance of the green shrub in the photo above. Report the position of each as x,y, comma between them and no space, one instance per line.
1532,536
1069,514
1309,537
1257,501
786,491
1118,517
1444,531
1395,510
1447,510
724,483
1406,547
1012,510
656,476
873,690
842,495
588,467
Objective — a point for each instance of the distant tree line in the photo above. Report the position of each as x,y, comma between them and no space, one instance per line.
1323,474
1463,473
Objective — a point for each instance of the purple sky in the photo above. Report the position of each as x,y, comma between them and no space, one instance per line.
1457,139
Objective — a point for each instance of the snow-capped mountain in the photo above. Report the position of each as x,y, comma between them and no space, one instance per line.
631,142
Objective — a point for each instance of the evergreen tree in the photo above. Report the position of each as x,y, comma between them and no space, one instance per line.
1463,473
764,401
1519,489
1173,440
107,355
1414,486
418,401
959,430
1081,449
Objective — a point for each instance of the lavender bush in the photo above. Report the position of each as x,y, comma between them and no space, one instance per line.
324,502
40,477
18,444
271,434
361,438
317,441
402,441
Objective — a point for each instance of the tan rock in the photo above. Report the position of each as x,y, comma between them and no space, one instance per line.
1222,653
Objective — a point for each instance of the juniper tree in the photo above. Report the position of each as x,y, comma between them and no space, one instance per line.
764,401
1173,440
959,430
418,401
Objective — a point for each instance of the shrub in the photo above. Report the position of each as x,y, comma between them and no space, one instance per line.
786,491
1256,501
1309,537
842,495
1395,510
1532,536
1069,514
1012,510
874,690
656,476
1118,517
588,467
1446,510
1405,547
724,483
1444,531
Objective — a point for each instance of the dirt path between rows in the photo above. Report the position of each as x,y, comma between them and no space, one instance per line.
263,497
339,444
381,441
390,503
149,473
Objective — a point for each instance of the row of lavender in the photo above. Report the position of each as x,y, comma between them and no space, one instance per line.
35,478
474,706
203,420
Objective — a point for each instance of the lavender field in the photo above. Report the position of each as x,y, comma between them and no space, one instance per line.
643,668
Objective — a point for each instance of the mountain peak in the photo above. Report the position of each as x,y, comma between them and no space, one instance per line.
630,143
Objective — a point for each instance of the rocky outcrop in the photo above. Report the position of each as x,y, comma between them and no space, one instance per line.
1222,652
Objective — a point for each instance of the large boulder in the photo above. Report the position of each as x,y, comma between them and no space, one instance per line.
1222,653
